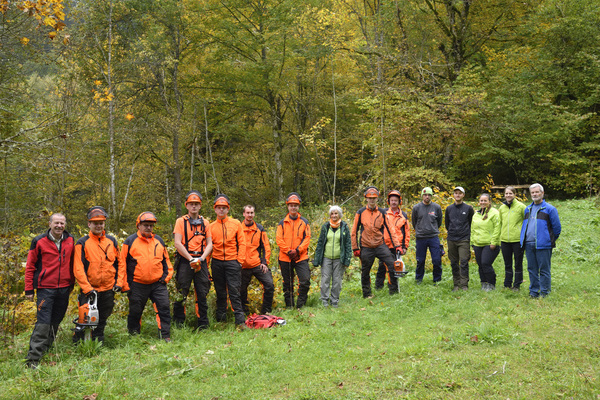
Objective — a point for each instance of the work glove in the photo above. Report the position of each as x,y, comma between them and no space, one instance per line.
292,254
117,289
404,249
442,251
162,280
195,263
357,253
90,293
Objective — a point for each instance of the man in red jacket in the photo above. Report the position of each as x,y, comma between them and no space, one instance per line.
49,271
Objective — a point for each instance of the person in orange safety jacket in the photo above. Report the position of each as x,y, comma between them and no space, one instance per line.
398,220
293,238
96,269
194,244
228,255
258,254
148,272
371,222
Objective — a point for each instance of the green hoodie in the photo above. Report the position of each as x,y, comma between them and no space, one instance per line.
511,221
486,232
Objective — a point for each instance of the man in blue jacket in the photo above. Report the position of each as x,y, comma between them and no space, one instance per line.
541,228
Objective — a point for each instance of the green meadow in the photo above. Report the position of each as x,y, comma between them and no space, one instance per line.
424,343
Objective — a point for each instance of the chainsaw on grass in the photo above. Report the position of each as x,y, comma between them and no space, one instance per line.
400,270
88,317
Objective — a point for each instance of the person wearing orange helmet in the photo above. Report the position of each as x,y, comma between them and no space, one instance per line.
228,255
193,243
398,222
148,271
96,268
368,242
293,238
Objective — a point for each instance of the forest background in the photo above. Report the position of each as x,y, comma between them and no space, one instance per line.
131,103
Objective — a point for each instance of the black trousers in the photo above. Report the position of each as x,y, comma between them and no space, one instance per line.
367,257
52,305
138,297
485,258
266,280
288,271
184,276
227,277
510,250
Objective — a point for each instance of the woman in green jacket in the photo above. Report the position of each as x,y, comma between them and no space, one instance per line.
512,212
333,253
485,239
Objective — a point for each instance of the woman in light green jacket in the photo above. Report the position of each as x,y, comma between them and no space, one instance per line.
512,212
485,240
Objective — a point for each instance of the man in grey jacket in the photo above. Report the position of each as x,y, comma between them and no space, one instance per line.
427,219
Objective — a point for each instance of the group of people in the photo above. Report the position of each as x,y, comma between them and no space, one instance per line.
240,250
513,228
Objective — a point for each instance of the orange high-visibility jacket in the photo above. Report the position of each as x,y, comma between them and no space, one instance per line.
229,242
146,259
293,234
193,237
398,222
96,264
371,224
258,249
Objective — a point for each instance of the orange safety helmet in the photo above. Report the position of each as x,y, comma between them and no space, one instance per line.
371,191
394,192
293,198
221,200
146,216
97,213
193,197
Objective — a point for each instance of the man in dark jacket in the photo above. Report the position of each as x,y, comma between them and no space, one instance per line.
458,225
427,219
541,228
49,271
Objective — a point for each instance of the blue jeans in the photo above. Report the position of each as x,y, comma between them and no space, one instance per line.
436,258
538,265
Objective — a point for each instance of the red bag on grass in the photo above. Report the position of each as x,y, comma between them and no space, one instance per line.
263,321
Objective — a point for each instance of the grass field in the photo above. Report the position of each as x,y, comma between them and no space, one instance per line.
425,343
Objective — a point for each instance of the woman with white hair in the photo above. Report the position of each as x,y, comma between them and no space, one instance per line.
333,254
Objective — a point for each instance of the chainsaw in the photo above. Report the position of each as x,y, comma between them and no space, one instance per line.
400,270
88,317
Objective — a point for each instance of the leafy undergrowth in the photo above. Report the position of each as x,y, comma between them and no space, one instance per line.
426,342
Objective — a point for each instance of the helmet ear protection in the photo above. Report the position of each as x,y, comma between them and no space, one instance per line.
97,213
293,198
394,192
371,191
146,216
193,197
221,200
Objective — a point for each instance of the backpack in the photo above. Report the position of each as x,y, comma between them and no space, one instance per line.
263,321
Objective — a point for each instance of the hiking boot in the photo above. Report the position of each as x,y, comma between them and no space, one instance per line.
167,340
456,288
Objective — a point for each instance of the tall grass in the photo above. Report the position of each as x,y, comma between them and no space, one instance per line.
424,343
